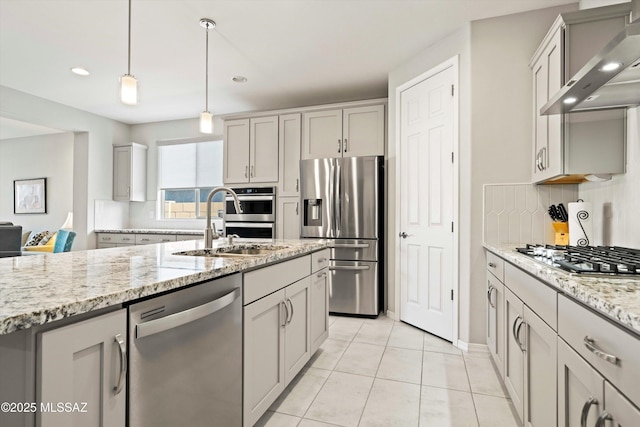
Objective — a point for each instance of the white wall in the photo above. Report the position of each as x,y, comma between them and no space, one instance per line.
46,156
495,134
93,139
616,203
143,214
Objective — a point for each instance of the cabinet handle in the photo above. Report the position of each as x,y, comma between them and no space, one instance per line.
346,145
291,304
144,239
339,145
542,158
297,184
286,316
593,348
123,364
492,265
246,171
604,416
489,292
585,410
319,275
106,238
166,240
251,175
515,330
321,260
522,345
297,208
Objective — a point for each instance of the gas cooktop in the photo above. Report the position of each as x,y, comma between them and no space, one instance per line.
599,260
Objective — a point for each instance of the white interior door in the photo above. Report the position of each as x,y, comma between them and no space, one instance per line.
426,201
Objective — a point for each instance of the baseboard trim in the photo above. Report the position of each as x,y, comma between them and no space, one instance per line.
392,315
473,348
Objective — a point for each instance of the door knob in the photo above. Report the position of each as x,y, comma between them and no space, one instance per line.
404,235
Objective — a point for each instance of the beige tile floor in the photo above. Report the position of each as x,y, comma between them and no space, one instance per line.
382,373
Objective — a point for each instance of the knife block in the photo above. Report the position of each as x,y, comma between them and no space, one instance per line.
562,233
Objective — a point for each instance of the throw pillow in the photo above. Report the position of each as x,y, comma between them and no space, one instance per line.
46,238
37,238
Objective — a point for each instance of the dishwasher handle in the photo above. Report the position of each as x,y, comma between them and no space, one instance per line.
187,316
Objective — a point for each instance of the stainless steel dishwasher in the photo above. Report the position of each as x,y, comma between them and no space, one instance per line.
186,357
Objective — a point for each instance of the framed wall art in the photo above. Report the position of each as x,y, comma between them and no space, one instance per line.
30,196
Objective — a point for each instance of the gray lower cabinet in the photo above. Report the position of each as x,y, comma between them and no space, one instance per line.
82,366
495,320
514,357
282,329
112,240
319,307
585,398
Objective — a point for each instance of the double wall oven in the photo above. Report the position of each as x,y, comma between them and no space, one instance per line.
258,217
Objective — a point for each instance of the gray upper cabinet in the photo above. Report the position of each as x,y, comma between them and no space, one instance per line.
348,132
251,150
130,172
289,138
567,147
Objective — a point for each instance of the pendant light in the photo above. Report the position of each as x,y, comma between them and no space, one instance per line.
206,119
128,83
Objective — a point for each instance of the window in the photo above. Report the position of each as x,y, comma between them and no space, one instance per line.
187,172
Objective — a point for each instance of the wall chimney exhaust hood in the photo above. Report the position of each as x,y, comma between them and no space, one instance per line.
611,79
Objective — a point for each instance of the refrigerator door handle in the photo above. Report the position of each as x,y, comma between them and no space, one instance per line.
338,200
349,267
350,245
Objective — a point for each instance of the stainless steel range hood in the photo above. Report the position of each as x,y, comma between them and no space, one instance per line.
594,89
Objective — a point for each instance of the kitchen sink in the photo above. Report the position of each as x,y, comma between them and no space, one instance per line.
234,251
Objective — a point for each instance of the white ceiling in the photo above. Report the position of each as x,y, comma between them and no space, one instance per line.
294,52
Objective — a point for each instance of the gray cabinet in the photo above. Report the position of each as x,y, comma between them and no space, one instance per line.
288,218
349,132
495,310
289,151
585,398
130,172
285,321
514,351
566,147
319,308
112,240
84,364
251,150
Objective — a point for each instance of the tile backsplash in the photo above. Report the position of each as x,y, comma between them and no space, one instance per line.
517,213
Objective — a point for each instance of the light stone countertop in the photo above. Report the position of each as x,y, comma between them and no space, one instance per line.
616,298
35,290
152,231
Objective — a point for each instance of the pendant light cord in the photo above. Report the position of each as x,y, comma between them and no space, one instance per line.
206,72
129,42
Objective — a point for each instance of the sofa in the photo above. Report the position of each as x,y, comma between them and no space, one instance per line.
38,241
47,241
10,240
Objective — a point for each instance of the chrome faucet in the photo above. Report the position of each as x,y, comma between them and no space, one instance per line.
209,233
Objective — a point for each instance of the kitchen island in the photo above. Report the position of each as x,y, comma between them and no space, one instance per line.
56,307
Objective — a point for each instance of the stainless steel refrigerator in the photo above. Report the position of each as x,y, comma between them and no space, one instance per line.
342,201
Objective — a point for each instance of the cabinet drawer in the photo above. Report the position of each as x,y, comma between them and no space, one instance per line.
126,238
264,281
146,239
576,323
182,237
536,295
319,260
495,265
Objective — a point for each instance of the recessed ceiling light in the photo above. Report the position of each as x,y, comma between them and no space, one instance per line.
611,66
239,79
570,100
79,71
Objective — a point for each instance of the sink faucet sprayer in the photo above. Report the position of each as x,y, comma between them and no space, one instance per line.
209,234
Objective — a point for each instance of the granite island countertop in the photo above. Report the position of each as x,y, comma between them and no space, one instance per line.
617,298
35,290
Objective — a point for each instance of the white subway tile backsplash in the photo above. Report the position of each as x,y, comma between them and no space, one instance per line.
517,213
